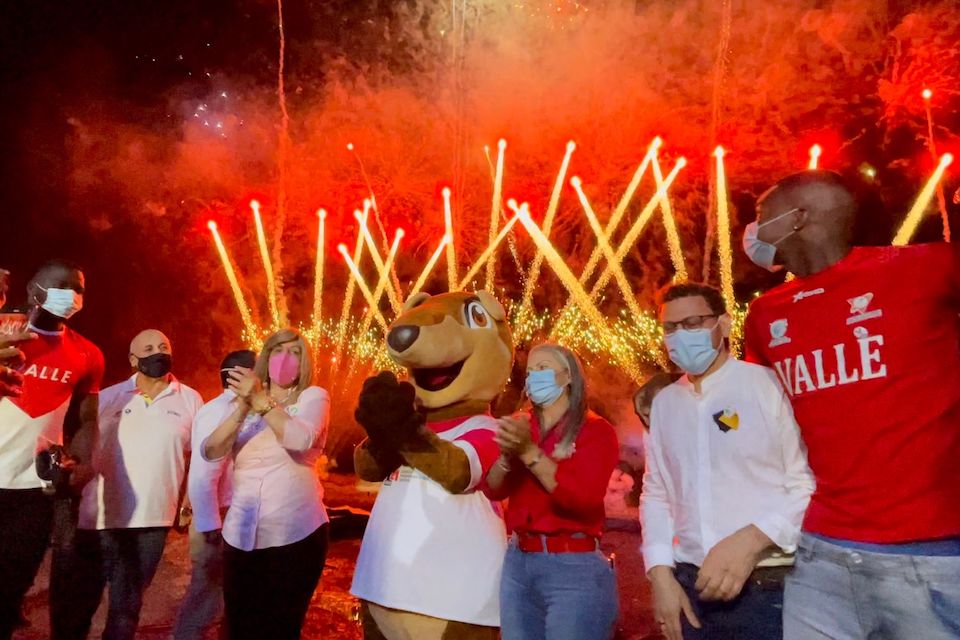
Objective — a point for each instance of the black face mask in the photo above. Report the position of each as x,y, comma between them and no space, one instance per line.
156,365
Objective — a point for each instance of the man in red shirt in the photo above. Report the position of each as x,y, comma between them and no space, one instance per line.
866,340
61,379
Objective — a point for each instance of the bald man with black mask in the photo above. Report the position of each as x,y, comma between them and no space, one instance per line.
866,341
129,507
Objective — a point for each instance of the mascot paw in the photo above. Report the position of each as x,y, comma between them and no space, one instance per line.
386,410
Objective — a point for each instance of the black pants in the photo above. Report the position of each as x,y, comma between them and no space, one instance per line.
26,517
267,591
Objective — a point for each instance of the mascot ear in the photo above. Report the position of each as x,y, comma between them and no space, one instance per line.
492,305
415,301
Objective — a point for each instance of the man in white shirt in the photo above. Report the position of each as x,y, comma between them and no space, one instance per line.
130,505
209,487
726,482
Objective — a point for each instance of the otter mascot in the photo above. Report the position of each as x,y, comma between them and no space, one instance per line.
430,560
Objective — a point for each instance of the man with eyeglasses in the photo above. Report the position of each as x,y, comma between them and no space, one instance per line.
866,340
726,477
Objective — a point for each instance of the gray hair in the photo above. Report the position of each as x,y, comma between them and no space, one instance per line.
573,419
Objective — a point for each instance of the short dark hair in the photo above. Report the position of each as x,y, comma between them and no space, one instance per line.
55,264
241,358
648,390
677,290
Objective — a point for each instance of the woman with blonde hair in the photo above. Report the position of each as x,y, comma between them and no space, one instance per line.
276,528
554,466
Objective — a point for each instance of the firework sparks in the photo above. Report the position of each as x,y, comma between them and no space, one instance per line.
573,286
912,221
534,274
392,295
267,266
724,248
604,243
362,285
318,270
451,249
248,323
670,226
495,208
631,238
422,279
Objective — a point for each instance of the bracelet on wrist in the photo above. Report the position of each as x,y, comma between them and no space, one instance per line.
268,405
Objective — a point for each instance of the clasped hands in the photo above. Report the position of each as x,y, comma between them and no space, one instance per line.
249,389
513,437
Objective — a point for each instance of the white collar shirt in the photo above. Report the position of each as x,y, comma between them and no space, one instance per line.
140,458
277,496
210,483
719,460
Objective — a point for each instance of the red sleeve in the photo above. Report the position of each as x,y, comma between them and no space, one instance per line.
482,442
93,377
582,479
752,345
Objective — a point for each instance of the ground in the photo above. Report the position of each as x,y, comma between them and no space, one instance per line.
333,613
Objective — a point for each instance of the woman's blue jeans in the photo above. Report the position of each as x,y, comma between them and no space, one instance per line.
557,596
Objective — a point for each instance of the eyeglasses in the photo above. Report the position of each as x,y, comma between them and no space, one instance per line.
690,323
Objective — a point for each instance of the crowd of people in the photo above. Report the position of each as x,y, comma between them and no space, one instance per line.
808,491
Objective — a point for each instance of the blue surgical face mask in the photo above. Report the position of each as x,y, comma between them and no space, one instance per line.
692,349
763,253
542,387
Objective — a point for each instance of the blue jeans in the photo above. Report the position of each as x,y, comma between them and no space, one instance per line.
202,605
837,593
126,559
755,614
557,596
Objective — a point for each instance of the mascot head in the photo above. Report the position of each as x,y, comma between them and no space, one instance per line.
456,346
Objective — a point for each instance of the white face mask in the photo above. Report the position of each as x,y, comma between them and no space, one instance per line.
62,303
763,253
692,349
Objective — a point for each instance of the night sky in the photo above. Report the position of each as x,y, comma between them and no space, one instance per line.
138,62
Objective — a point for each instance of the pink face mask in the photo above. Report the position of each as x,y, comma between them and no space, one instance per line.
284,368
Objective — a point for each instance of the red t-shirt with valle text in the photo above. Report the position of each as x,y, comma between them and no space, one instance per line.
59,365
869,351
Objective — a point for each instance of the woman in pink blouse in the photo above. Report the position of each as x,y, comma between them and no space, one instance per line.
276,528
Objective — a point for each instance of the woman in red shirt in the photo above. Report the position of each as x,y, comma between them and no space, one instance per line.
554,466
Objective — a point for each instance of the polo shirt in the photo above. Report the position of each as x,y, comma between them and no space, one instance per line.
140,457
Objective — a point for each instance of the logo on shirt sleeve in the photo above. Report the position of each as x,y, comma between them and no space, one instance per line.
778,332
859,309
726,420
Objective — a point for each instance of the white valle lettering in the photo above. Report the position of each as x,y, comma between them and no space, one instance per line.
868,357
818,366
53,374
845,378
785,373
867,364
803,376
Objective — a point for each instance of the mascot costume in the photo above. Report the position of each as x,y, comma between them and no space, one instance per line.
430,560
